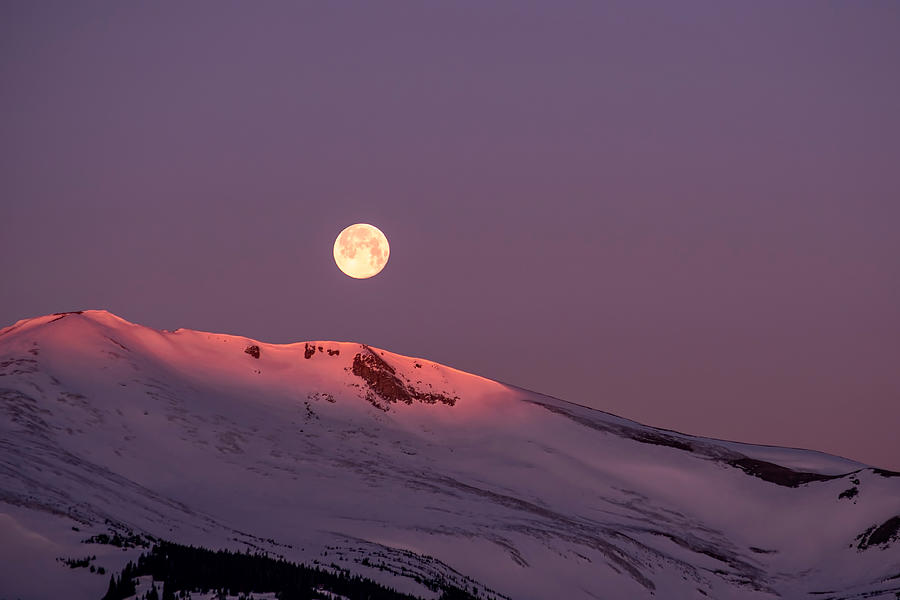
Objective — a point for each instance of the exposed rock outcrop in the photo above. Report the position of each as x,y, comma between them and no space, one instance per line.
386,387
881,535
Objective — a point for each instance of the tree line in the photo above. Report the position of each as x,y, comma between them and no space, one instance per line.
187,568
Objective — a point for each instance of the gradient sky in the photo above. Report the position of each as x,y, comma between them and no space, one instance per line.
684,213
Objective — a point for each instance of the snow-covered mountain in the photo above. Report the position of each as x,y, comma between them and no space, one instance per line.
401,470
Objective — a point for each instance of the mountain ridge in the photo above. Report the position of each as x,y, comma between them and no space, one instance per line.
525,493
310,346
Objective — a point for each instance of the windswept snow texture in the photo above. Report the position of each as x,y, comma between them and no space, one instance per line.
401,469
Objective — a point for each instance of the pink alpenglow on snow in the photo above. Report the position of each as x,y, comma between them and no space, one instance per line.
344,453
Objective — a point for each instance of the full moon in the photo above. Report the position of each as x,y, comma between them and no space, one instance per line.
361,251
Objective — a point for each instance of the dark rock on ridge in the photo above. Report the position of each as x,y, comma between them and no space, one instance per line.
776,473
386,388
886,473
757,468
849,493
883,534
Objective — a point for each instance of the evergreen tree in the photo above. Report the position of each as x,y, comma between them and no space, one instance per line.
126,588
168,591
112,593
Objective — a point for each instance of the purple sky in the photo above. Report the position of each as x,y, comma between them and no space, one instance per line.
685,213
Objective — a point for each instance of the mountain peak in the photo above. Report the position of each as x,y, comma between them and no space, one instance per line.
405,470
